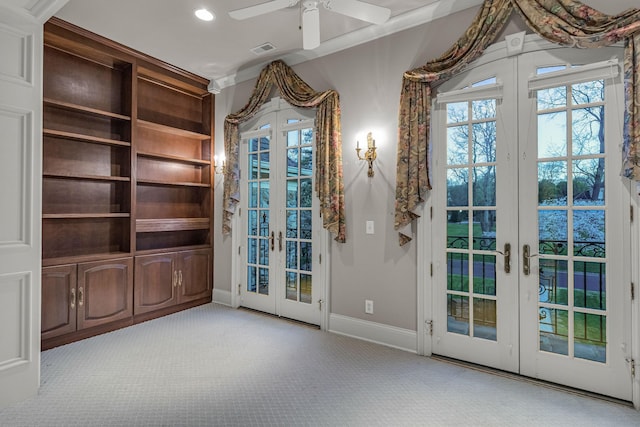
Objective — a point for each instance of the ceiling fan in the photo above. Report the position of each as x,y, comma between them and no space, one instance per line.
311,14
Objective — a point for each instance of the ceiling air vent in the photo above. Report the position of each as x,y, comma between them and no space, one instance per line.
263,48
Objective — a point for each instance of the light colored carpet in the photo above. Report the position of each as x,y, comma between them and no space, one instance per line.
215,366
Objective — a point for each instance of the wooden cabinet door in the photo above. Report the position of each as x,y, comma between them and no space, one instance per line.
156,280
194,275
105,292
58,300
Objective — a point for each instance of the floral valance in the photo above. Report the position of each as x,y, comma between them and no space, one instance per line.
566,22
328,144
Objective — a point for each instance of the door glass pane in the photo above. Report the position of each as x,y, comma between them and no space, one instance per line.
552,183
292,161
458,314
589,233
305,224
253,222
588,182
264,252
590,290
458,272
552,135
457,112
292,193
484,186
252,283
484,142
458,145
292,286
253,194
264,143
305,288
292,254
484,319
252,245
265,166
253,166
590,338
458,187
293,138
263,217
292,224
553,287
306,193
305,256
263,281
484,230
306,161
264,194
552,231
554,326
588,131
458,229
253,145
484,109
484,274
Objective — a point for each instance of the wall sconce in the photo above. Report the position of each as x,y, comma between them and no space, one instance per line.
219,164
369,155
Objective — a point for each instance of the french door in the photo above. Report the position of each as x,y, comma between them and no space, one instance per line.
532,271
282,237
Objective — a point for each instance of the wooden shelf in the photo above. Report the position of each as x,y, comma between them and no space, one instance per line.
157,156
85,215
87,177
80,108
84,138
173,184
171,249
171,224
46,262
172,130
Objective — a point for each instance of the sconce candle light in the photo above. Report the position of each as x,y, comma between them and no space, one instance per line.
219,164
369,155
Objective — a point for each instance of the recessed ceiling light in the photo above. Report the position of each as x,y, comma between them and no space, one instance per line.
204,14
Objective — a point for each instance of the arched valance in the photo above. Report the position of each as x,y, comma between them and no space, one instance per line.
328,143
566,22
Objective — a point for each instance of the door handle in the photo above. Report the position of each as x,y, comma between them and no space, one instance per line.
280,241
526,256
507,257
273,238
73,298
175,278
80,296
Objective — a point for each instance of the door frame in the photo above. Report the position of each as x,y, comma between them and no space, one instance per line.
425,284
272,106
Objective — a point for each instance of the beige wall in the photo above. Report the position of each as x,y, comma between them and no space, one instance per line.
368,78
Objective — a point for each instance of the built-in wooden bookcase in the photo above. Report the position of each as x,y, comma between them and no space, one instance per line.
174,172
127,174
86,155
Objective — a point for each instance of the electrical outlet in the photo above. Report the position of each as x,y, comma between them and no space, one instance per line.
368,306
369,227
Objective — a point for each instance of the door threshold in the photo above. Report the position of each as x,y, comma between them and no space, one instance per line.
530,380
288,319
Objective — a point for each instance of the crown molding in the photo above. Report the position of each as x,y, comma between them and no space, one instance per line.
35,11
405,21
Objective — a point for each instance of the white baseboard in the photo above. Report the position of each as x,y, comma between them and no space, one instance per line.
222,297
391,336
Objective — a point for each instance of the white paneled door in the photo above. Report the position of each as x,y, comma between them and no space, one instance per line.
281,227
20,193
531,221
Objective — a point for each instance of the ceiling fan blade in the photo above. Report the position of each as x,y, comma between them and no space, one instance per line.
359,10
310,28
261,9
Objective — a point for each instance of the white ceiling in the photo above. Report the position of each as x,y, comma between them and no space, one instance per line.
220,50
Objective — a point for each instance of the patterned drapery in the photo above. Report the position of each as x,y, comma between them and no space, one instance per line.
566,22
328,143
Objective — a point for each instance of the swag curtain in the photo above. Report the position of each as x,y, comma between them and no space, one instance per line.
328,142
566,22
